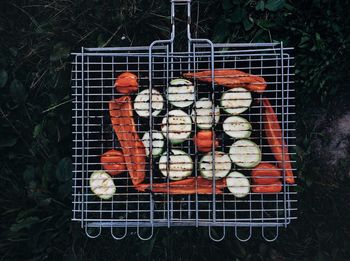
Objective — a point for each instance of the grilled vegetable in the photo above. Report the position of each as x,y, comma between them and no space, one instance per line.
245,154
181,93
102,185
271,188
274,138
180,165
191,185
124,127
113,162
157,142
204,141
238,184
142,101
222,167
231,78
126,83
177,126
202,113
236,101
237,127
265,173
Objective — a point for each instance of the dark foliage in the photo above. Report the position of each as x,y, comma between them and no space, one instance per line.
36,38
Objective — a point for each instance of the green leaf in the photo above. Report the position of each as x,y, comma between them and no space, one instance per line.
248,24
18,92
3,78
260,6
237,15
24,223
6,142
274,5
37,130
64,170
60,51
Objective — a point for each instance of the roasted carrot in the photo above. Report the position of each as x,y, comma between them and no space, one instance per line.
271,188
204,141
265,173
113,162
185,187
231,78
274,138
121,113
126,83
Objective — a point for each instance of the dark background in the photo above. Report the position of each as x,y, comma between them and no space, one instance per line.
36,38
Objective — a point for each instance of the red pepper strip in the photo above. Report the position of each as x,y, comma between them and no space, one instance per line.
265,174
274,138
113,162
121,113
204,141
231,78
272,188
185,187
126,83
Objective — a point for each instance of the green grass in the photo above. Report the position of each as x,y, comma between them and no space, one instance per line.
36,38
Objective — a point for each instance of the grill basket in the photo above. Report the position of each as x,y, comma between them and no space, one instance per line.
94,71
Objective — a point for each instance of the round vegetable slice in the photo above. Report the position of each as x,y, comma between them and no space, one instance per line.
238,184
180,165
179,126
202,113
245,153
157,142
237,127
236,100
142,101
181,93
223,165
102,185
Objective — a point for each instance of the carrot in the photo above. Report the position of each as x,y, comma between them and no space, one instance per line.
231,78
274,138
113,162
185,187
121,113
204,141
265,173
271,188
126,83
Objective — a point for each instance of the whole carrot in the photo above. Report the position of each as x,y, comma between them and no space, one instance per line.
274,138
231,78
121,113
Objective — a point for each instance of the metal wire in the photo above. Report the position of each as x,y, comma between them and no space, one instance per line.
94,71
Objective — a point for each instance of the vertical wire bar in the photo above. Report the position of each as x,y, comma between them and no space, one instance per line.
87,199
287,136
75,143
82,138
283,144
167,133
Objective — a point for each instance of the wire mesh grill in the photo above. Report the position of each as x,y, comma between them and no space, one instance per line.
93,74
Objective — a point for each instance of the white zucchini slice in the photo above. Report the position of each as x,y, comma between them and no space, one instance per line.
102,185
142,101
202,114
223,165
179,126
180,165
238,184
157,142
236,100
237,127
181,93
245,153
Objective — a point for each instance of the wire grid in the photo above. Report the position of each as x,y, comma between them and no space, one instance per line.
93,74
